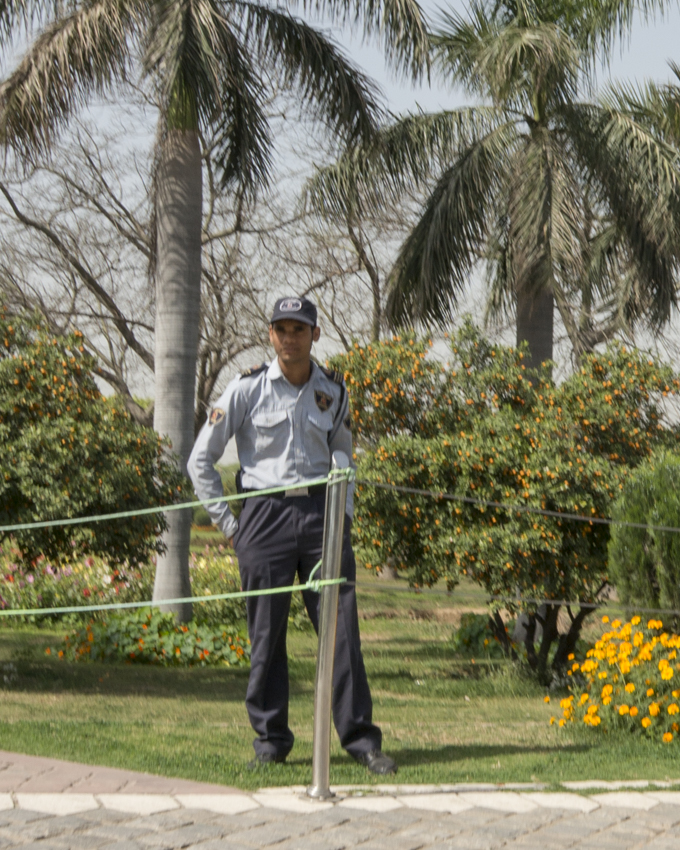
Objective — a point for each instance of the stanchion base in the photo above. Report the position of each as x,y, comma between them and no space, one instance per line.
318,792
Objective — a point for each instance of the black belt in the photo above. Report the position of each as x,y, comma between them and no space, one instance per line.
292,492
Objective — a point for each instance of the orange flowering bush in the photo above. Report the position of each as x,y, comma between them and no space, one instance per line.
632,682
146,636
478,429
67,452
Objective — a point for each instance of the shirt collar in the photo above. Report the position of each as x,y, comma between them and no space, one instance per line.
274,370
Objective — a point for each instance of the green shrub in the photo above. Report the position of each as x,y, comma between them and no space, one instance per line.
147,636
644,563
476,638
480,430
67,452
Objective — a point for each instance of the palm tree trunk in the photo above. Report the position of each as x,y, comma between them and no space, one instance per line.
178,295
535,323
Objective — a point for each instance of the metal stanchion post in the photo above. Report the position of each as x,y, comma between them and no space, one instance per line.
336,496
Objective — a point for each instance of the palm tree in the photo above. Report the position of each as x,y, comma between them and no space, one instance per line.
558,198
211,64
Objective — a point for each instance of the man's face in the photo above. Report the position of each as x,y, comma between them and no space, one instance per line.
292,340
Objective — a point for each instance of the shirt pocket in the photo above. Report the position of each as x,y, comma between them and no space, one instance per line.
271,432
319,428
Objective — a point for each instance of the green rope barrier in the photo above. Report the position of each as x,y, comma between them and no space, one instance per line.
52,523
310,584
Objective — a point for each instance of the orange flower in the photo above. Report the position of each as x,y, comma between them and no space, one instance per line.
646,722
668,737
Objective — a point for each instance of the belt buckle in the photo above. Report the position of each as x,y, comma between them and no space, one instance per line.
296,491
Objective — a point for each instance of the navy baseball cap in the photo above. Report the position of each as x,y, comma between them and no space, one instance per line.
300,309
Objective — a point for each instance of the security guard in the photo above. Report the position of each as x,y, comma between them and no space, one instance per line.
288,418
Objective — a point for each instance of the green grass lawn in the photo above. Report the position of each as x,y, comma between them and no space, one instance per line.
444,719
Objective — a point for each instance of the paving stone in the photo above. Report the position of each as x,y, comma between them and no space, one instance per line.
219,844
138,804
469,841
394,842
371,804
57,804
227,804
6,802
503,801
399,818
451,803
272,833
660,817
118,832
626,800
183,837
563,801
291,803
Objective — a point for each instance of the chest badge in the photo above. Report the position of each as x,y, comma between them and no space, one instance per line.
323,401
216,415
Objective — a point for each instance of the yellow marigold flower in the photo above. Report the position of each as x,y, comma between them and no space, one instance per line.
624,709
592,709
570,657
630,687
635,621
650,691
668,737
676,694
584,699
616,624
606,700
633,711
663,663
595,721
562,722
673,708
602,675
607,690
654,709
605,619
667,673
651,624
675,728
646,722
546,699
552,721
625,667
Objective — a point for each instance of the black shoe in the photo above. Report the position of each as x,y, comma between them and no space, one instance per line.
377,762
265,759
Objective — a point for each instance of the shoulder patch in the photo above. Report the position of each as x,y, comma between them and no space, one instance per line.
255,370
216,416
336,377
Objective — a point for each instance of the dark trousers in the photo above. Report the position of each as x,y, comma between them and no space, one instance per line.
276,539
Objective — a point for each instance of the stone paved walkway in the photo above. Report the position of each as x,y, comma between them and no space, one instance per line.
47,804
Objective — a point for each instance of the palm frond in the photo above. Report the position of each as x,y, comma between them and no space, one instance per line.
84,52
403,155
208,80
335,89
598,24
18,16
640,178
435,262
509,60
400,27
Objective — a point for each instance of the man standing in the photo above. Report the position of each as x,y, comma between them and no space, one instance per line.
288,418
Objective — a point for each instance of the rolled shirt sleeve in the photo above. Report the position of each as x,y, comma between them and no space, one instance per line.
224,419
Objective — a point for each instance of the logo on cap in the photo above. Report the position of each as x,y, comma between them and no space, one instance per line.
290,305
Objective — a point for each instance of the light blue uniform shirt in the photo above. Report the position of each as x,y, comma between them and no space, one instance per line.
285,435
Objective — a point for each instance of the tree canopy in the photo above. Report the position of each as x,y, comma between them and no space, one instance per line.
66,451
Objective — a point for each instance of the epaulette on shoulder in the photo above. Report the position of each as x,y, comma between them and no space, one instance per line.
337,377
254,371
